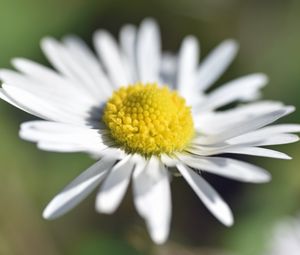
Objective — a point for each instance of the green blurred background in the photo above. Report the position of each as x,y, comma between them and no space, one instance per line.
269,35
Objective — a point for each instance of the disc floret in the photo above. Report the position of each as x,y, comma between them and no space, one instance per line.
148,119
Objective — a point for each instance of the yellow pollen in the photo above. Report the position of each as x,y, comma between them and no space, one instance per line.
148,119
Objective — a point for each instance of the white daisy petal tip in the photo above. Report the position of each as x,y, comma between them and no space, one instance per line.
104,206
152,198
207,194
262,177
259,79
72,38
296,138
22,134
290,109
259,176
100,33
47,41
159,235
232,45
128,28
16,62
4,74
227,219
264,78
191,39
78,189
150,22
102,38
48,213
52,210
114,187
223,212
281,155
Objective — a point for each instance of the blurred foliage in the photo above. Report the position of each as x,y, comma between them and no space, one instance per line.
268,32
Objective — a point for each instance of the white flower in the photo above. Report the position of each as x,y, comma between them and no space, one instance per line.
285,238
140,131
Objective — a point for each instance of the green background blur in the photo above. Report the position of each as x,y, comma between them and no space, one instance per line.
269,35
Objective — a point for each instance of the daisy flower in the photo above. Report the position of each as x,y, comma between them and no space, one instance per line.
285,238
145,114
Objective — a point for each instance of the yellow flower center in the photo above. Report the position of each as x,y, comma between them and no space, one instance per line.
148,119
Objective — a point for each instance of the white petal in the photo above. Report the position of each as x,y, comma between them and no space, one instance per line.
58,88
237,149
216,63
245,126
274,133
281,128
114,187
61,147
118,153
148,51
53,51
210,198
110,55
39,107
78,189
243,142
6,97
100,83
9,100
227,167
279,139
255,151
69,64
66,99
252,140
37,71
56,127
53,131
216,122
152,197
236,144
53,136
243,89
187,67
128,36
168,161
168,69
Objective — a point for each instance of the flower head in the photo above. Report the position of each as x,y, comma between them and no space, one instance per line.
141,111
149,120
284,238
